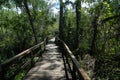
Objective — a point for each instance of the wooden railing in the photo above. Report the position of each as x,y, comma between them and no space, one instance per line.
72,66
23,61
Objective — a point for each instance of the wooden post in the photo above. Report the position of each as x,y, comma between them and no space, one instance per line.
45,41
69,66
2,73
32,58
74,77
64,60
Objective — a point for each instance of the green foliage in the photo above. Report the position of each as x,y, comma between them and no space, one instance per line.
15,32
20,75
99,32
107,66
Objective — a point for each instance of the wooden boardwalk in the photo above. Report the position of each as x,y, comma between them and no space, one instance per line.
50,66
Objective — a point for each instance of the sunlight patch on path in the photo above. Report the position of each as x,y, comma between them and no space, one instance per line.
50,66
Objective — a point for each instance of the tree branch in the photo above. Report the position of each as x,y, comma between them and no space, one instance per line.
109,18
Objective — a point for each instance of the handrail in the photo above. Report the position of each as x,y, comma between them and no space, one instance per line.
21,54
76,71
16,60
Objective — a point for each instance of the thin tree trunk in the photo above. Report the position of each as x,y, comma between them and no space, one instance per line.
78,19
94,36
95,25
61,20
31,21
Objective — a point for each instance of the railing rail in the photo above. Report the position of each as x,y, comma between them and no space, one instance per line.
72,66
21,61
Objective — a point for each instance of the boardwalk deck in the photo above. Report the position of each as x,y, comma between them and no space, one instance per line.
49,67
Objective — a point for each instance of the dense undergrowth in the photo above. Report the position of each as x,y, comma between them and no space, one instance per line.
107,67
102,67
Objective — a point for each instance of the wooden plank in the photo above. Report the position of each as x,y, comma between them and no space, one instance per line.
50,67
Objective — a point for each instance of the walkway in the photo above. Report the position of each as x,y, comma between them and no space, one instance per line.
50,66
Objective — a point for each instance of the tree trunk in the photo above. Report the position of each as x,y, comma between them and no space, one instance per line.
31,21
78,19
95,25
61,20
94,36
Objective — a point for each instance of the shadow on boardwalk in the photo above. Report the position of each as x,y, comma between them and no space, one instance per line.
49,67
